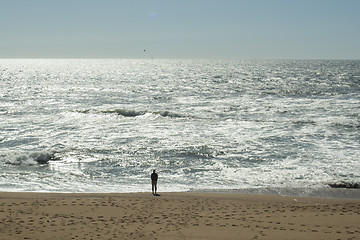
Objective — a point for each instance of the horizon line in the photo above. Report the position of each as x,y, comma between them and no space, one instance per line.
170,58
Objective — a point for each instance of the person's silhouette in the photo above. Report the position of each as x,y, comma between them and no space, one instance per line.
154,178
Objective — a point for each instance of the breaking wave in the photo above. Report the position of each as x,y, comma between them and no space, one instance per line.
134,113
32,158
125,113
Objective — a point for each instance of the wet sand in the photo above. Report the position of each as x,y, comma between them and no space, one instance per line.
176,216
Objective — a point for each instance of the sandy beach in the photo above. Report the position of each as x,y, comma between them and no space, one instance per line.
175,216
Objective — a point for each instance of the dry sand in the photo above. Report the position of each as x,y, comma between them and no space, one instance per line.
176,216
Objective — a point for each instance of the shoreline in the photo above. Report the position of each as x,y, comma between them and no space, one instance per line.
175,215
327,193
305,192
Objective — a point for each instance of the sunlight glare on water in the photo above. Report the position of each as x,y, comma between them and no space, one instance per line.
103,125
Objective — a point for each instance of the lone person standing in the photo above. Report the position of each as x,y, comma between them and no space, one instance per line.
154,178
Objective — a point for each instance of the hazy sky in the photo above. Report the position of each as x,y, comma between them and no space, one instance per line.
305,29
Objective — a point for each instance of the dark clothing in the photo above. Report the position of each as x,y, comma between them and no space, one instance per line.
154,177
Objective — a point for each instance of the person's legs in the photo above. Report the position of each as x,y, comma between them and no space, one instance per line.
154,187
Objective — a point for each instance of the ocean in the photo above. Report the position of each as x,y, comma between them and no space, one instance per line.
103,125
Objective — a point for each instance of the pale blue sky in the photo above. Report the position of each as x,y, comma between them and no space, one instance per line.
241,29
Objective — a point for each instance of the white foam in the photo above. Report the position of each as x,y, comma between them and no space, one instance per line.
27,158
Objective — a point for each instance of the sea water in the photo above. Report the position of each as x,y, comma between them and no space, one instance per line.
95,125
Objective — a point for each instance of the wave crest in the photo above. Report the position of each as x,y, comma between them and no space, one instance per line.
125,113
32,158
134,113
